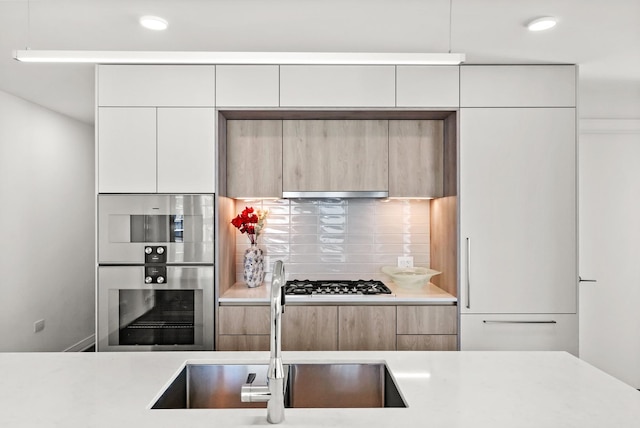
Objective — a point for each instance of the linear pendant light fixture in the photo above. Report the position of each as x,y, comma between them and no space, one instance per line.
192,57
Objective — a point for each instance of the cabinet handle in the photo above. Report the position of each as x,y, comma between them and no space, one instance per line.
586,280
518,322
468,278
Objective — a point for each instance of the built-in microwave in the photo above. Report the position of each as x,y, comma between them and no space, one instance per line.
127,224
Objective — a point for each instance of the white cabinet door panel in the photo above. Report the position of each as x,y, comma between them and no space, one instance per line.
127,150
337,86
518,210
428,86
156,85
539,332
186,150
517,86
247,85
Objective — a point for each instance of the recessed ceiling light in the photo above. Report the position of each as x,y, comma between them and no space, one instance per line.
153,23
542,23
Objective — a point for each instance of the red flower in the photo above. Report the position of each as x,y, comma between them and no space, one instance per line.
250,222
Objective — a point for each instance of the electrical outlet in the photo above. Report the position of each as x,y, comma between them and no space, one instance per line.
38,326
405,262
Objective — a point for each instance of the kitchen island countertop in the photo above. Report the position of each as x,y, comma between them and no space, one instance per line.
442,389
430,294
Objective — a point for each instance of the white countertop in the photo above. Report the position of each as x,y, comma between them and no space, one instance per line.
442,389
240,294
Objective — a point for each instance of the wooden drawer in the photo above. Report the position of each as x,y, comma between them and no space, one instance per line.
244,320
531,332
254,342
427,320
427,342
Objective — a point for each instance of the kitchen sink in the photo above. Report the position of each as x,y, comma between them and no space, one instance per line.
345,385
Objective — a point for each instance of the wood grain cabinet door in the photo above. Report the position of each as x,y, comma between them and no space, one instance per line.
367,328
427,320
310,328
335,155
254,158
416,158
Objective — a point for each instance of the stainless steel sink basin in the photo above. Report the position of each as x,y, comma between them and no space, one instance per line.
308,385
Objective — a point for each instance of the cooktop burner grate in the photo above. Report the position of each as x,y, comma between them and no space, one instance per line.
320,288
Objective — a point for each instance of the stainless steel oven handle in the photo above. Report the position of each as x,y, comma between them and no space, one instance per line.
468,276
518,322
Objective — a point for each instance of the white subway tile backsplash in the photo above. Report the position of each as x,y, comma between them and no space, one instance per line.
339,238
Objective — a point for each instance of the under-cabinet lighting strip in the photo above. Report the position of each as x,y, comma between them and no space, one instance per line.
185,57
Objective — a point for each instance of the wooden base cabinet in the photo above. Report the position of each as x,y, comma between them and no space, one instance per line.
367,328
427,328
243,328
310,328
427,342
341,327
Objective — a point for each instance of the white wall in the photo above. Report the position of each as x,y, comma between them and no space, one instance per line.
47,221
608,214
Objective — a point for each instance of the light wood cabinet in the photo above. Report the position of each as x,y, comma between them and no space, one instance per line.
247,85
156,85
335,155
156,150
337,86
340,327
427,342
254,158
252,342
244,320
416,163
435,86
127,150
427,320
517,86
366,328
310,328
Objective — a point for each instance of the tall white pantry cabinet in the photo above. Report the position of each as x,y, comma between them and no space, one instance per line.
518,213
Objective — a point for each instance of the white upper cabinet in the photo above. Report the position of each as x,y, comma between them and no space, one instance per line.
428,86
247,85
186,155
517,86
127,150
518,215
337,86
156,85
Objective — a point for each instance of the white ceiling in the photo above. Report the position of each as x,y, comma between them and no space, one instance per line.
602,36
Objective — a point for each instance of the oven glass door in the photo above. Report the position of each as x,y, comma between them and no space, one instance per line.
157,317
175,315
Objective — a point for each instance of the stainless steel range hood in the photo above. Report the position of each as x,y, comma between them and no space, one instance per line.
329,194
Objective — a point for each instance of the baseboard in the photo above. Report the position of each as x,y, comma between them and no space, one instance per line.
82,345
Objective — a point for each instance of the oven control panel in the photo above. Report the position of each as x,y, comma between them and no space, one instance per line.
155,254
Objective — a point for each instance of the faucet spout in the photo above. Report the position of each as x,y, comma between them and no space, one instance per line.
273,393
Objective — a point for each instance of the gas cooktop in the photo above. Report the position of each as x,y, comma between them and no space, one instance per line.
335,288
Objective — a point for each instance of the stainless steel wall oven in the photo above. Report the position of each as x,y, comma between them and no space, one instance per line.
155,273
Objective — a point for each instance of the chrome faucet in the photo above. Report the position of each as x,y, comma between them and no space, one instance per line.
273,392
